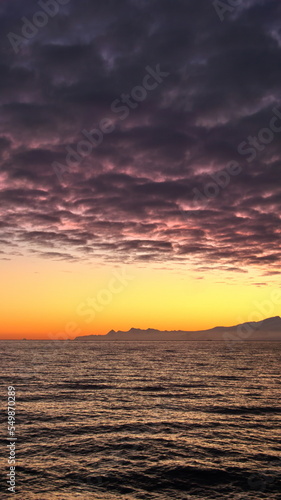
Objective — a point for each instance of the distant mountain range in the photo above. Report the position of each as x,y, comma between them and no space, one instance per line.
266,330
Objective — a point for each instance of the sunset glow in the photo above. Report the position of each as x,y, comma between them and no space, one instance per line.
137,152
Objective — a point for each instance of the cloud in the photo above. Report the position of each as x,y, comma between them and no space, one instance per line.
133,197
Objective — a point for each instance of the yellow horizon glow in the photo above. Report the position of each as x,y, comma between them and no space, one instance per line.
54,300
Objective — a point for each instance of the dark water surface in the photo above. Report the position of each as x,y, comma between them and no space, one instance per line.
148,420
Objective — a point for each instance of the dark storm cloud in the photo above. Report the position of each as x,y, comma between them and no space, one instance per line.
133,196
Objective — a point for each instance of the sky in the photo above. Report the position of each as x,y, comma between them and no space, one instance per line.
139,165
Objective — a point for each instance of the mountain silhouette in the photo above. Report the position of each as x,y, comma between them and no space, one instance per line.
266,330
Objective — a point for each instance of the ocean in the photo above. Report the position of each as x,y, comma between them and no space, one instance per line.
143,421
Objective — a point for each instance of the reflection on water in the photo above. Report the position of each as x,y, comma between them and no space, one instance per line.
165,421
